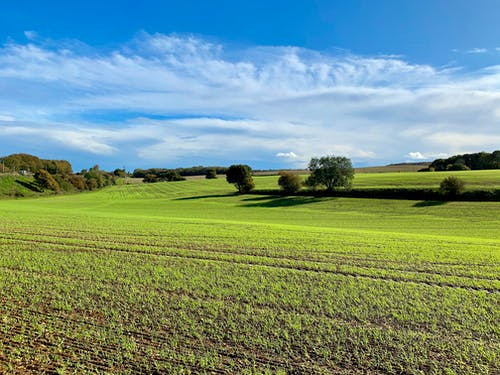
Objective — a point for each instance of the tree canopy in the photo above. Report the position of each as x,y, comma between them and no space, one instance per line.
31,163
241,176
330,171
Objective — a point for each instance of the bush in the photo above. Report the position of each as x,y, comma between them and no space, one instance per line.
211,174
451,186
289,182
241,176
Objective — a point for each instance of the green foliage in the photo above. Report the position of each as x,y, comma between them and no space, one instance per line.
211,174
192,171
241,176
99,178
31,163
120,173
57,167
165,175
331,172
480,160
92,183
452,186
77,181
46,181
457,167
290,183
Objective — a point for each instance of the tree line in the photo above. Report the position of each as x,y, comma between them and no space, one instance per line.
57,175
177,174
31,164
465,162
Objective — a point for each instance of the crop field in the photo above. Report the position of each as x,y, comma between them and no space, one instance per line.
474,180
187,277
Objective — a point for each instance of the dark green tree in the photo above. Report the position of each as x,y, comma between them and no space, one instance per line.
211,174
241,176
330,171
290,183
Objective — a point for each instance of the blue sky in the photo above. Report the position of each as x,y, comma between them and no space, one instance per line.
268,83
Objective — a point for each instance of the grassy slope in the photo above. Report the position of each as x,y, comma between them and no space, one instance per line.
16,186
318,285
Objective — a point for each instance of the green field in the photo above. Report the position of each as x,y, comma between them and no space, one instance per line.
474,180
187,277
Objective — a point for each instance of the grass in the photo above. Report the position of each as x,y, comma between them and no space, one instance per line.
18,186
474,180
187,277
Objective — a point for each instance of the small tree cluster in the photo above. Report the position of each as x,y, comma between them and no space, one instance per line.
290,183
95,178
241,176
163,176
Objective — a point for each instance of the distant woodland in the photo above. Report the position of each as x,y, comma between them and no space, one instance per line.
479,160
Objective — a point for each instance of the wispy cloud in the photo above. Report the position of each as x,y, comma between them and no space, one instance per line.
181,99
30,34
477,50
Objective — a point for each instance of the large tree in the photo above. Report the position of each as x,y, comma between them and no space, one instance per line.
241,176
330,171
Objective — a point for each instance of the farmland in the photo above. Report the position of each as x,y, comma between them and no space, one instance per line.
187,277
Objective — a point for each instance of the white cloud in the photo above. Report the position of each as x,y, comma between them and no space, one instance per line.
287,155
181,96
416,155
427,156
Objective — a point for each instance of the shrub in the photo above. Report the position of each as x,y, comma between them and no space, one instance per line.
451,186
289,182
211,174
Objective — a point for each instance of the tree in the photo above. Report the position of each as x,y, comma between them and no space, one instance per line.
211,174
120,172
45,180
77,181
451,186
241,176
330,171
289,182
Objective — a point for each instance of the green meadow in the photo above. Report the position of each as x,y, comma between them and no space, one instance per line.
189,277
